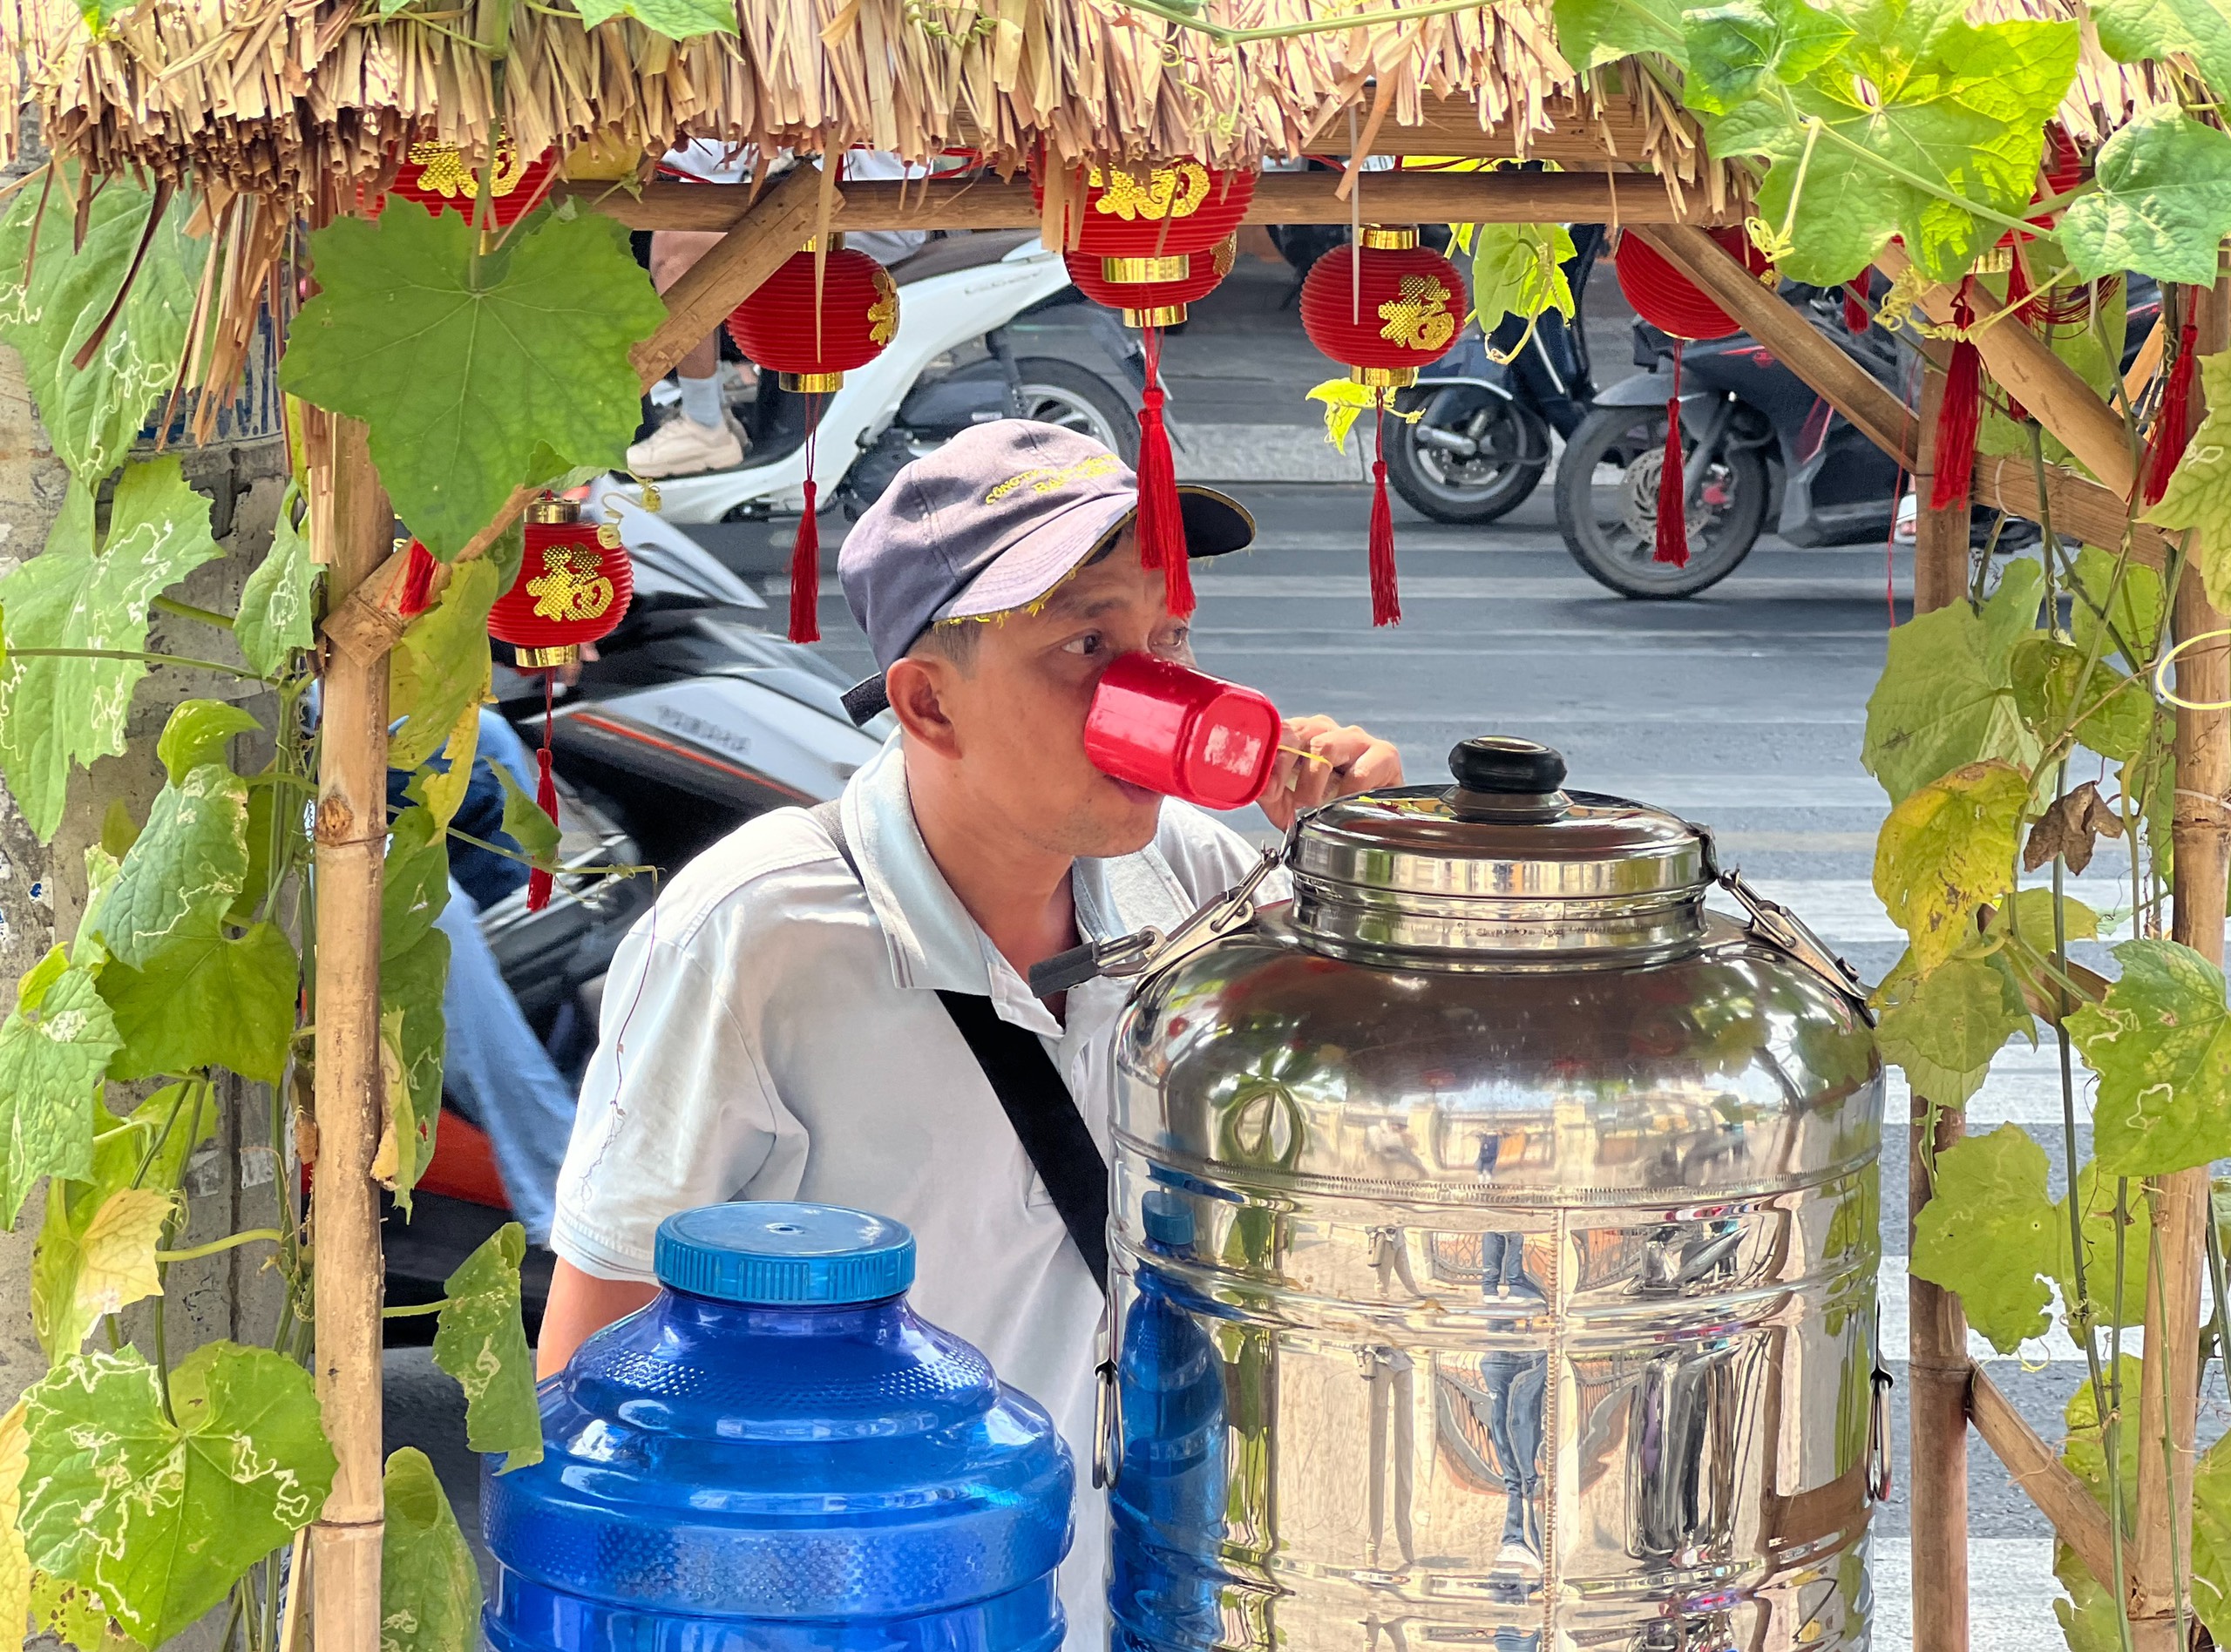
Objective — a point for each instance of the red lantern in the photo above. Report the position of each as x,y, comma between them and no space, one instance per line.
573,586
438,177
1384,308
813,345
1154,304
1672,303
1145,230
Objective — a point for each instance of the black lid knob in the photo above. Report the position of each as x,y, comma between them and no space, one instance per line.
1502,763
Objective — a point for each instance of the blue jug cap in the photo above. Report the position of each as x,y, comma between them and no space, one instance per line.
1166,1218
773,1254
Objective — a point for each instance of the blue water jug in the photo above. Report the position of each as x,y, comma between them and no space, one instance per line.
777,1455
1166,1506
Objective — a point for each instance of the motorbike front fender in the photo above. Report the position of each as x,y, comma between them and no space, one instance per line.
1648,389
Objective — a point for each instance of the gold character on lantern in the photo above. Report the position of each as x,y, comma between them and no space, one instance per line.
442,169
571,584
1418,318
1171,192
882,315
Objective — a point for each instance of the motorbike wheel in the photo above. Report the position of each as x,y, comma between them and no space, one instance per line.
1611,526
1510,449
1057,392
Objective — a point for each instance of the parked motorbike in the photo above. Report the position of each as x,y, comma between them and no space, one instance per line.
691,720
988,327
1761,448
1481,441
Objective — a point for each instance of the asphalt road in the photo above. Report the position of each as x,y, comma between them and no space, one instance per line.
1742,708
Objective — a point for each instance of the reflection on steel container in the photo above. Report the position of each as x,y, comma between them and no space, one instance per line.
1527,1215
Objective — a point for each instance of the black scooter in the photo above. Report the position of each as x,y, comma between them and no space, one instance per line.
1481,444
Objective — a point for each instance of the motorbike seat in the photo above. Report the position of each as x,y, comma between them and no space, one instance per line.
950,254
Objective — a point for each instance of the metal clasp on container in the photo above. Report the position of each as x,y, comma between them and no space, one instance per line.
1878,1437
1145,951
1784,931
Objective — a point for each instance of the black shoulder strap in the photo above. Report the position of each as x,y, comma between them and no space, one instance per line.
1038,1104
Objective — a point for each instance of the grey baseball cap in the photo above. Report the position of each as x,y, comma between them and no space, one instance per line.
989,524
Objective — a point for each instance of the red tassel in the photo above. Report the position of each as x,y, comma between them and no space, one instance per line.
1958,416
1386,596
2172,420
805,551
1672,481
1856,319
1161,518
546,793
418,582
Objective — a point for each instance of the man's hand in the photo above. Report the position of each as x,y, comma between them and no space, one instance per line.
1341,762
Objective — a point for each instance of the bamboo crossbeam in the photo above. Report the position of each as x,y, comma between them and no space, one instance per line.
1280,197
350,527
1848,387
2081,508
773,227
2036,1468
2054,392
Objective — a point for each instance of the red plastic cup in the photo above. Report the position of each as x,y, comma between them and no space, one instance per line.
1182,732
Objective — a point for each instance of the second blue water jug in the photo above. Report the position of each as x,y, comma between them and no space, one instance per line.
777,1455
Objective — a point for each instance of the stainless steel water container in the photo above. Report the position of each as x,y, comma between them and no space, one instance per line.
1495,1241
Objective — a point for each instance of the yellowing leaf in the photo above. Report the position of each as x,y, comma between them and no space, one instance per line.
1946,851
2199,495
439,672
1343,399
111,1265
443,789
14,1563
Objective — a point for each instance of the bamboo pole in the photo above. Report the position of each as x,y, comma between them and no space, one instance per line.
1938,1366
1280,197
755,248
2200,839
2077,1514
351,535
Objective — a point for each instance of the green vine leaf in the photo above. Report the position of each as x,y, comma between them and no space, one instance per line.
280,597
2199,495
76,594
1945,1028
414,883
1516,270
1946,851
676,19
2119,713
1987,1233
1946,696
438,671
2132,30
2160,1043
462,370
1959,107
479,1340
160,1518
1598,31
76,1616
441,788
2092,1618
199,732
182,874
430,1587
1736,50
2095,1199
2163,204
207,999
2211,1563
53,1051
93,416
525,823
2134,618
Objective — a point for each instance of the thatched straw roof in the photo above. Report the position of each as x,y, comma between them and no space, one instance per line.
293,99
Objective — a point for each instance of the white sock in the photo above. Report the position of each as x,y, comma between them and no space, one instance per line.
701,401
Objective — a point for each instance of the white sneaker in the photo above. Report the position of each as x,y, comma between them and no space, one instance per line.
683,447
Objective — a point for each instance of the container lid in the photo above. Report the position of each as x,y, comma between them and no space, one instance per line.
773,1254
1504,860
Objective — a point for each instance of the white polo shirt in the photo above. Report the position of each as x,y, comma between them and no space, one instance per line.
771,1031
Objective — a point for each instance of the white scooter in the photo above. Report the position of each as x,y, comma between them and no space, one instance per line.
983,334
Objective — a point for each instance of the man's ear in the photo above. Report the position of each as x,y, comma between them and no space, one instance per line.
918,689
